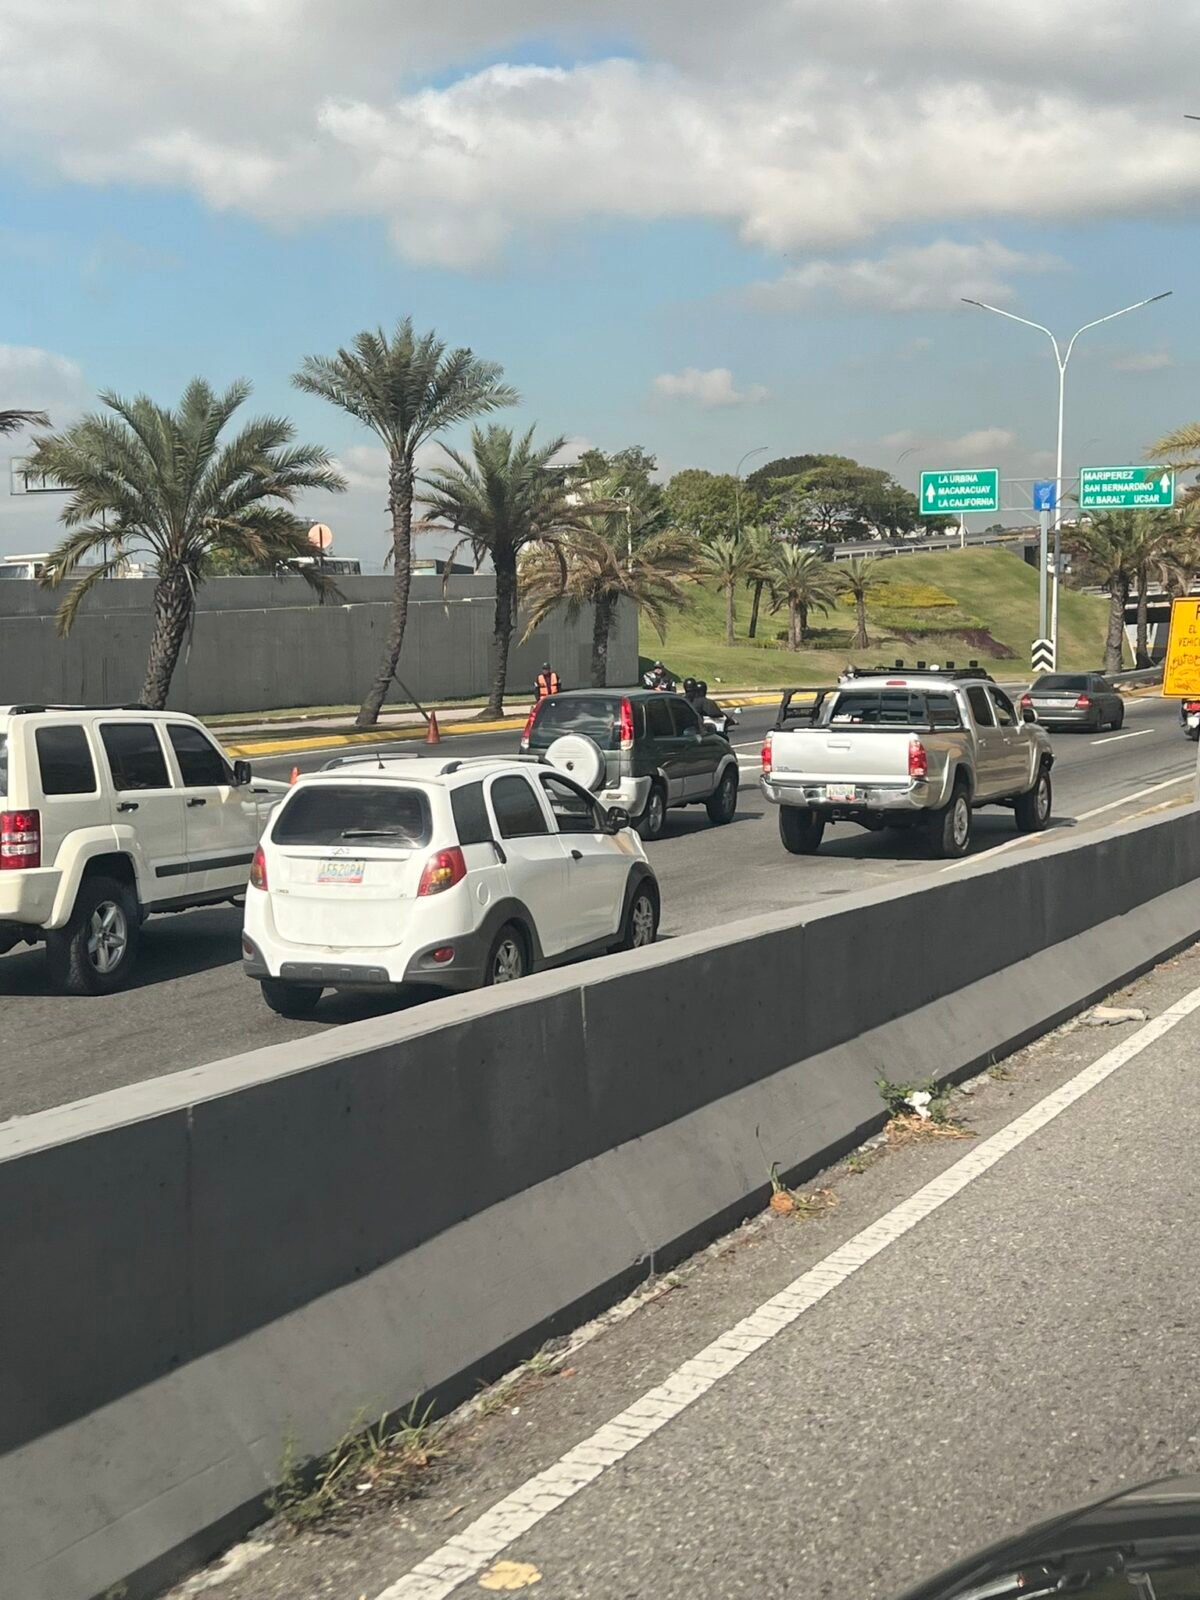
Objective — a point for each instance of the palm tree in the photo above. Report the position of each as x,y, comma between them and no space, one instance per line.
763,546
503,499
151,478
726,559
1179,449
1114,544
598,571
407,389
857,577
803,581
14,421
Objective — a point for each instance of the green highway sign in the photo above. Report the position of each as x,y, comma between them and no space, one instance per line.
1125,488
965,489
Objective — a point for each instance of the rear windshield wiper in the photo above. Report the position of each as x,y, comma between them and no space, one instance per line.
373,833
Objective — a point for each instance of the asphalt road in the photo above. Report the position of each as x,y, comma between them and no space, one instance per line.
191,1004
1026,1347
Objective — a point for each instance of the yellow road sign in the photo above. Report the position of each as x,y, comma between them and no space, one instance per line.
1181,674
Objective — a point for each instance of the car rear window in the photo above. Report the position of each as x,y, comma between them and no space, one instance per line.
890,708
349,813
1058,681
597,716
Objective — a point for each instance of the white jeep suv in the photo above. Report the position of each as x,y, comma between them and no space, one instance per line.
383,871
107,815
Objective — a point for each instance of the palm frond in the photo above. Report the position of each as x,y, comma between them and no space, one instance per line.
14,421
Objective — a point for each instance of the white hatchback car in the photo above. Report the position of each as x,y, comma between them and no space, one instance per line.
379,872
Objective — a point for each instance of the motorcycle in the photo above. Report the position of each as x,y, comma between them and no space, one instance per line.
724,724
1190,717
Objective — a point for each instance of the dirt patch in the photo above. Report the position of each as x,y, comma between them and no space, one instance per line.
977,639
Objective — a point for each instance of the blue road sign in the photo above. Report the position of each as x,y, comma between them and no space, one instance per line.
1045,496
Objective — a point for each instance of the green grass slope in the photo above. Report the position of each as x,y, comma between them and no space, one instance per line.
956,604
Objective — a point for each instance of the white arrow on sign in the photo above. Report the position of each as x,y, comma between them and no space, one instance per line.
1164,483
930,495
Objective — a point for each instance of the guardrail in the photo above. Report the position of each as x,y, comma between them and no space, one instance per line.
202,1268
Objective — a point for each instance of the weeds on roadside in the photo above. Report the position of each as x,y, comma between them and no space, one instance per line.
919,1111
787,1202
369,1466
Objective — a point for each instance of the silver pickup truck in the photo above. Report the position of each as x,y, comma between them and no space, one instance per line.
901,750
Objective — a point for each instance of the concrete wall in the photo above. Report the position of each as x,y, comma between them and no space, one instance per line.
261,643
199,1267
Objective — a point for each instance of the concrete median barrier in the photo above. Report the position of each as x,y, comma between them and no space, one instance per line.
202,1268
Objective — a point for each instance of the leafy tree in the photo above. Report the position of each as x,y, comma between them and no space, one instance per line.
407,388
160,480
708,504
1115,544
628,472
14,421
618,554
726,560
761,479
833,497
858,576
503,498
803,582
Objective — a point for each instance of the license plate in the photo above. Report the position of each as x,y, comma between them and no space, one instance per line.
840,793
1059,705
341,871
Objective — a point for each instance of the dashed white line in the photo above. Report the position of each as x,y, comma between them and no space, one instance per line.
1139,794
1112,738
467,1554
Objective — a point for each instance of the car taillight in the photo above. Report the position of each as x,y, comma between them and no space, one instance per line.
1191,705
1026,702
442,871
626,725
767,755
918,759
529,722
20,840
1082,703
258,870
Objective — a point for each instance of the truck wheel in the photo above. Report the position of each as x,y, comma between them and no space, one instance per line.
950,828
96,951
722,803
650,824
801,830
1032,809
294,1000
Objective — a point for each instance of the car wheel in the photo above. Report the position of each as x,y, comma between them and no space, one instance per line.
652,820
641,920
722,803
950,827
1120,722
801,830
296,1000
95,952
1032,809
507,960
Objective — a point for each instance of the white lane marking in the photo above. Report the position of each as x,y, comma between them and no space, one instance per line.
461,1558
1139,794
997,849
1112,738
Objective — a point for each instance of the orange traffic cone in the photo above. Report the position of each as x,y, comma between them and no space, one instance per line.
432,736
295,775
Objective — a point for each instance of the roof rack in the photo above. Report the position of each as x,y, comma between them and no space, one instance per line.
944,669
447,767
18,711
376,757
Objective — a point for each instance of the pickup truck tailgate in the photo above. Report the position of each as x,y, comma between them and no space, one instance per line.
836,755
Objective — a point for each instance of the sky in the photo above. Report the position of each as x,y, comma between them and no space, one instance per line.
706,229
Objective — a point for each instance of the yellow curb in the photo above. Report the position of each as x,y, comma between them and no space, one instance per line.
338,741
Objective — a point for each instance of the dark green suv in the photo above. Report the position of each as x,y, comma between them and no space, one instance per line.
657,751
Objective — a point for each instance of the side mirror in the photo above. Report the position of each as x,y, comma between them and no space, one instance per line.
1028,714
617,818
242,774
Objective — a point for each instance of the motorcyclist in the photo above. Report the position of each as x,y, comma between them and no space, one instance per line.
659,678
705,706
690,688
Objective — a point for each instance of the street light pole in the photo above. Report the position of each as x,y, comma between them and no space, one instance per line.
737,484
1061,358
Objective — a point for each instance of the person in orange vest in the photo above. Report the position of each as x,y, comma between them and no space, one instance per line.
547,682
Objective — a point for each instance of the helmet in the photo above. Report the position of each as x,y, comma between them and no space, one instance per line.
658,667
689,687
701,688
545,666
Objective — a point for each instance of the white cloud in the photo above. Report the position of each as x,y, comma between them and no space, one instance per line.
932,277
712,388
800,125
38,380
1148,361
